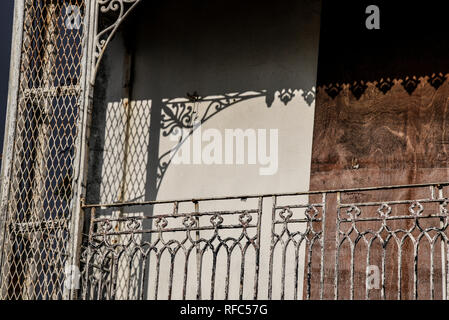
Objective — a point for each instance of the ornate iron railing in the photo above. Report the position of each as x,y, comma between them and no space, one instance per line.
372,243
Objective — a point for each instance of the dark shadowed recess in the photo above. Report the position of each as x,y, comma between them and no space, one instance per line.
412,41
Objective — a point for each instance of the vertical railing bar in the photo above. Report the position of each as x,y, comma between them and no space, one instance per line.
145,278
351,281
242,274
110,276
415,269
309,269
400,270
446,259
186,271
432,289
100,284
199,297
97,289
114,276
156,281
384,252
443,266
272,248
308,249
323,244
295,296
198,250
443,251
175,208
141,275
368,258
129,278
212,276
170,283
228,270
103,275
284,256
186,260
337,246
258,242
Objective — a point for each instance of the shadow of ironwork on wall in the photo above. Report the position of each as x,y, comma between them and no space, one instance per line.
384,85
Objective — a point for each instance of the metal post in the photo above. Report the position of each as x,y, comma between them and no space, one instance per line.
81,157
10,131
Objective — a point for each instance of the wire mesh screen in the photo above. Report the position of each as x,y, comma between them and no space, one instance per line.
35,248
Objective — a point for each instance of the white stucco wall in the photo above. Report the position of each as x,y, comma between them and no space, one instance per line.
124,157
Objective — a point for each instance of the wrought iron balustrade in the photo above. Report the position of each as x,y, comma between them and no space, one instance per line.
371,243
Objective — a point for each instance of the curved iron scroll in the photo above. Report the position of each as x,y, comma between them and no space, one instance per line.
121,9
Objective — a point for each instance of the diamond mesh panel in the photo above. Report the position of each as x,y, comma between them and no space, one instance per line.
37,237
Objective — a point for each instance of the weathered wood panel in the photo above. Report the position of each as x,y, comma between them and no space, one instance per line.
381,139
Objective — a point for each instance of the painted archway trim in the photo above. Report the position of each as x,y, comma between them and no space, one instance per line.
122,8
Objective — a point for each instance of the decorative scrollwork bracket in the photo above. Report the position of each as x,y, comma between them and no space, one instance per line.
103,35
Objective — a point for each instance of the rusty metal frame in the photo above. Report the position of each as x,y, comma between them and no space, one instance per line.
85,89
10,125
